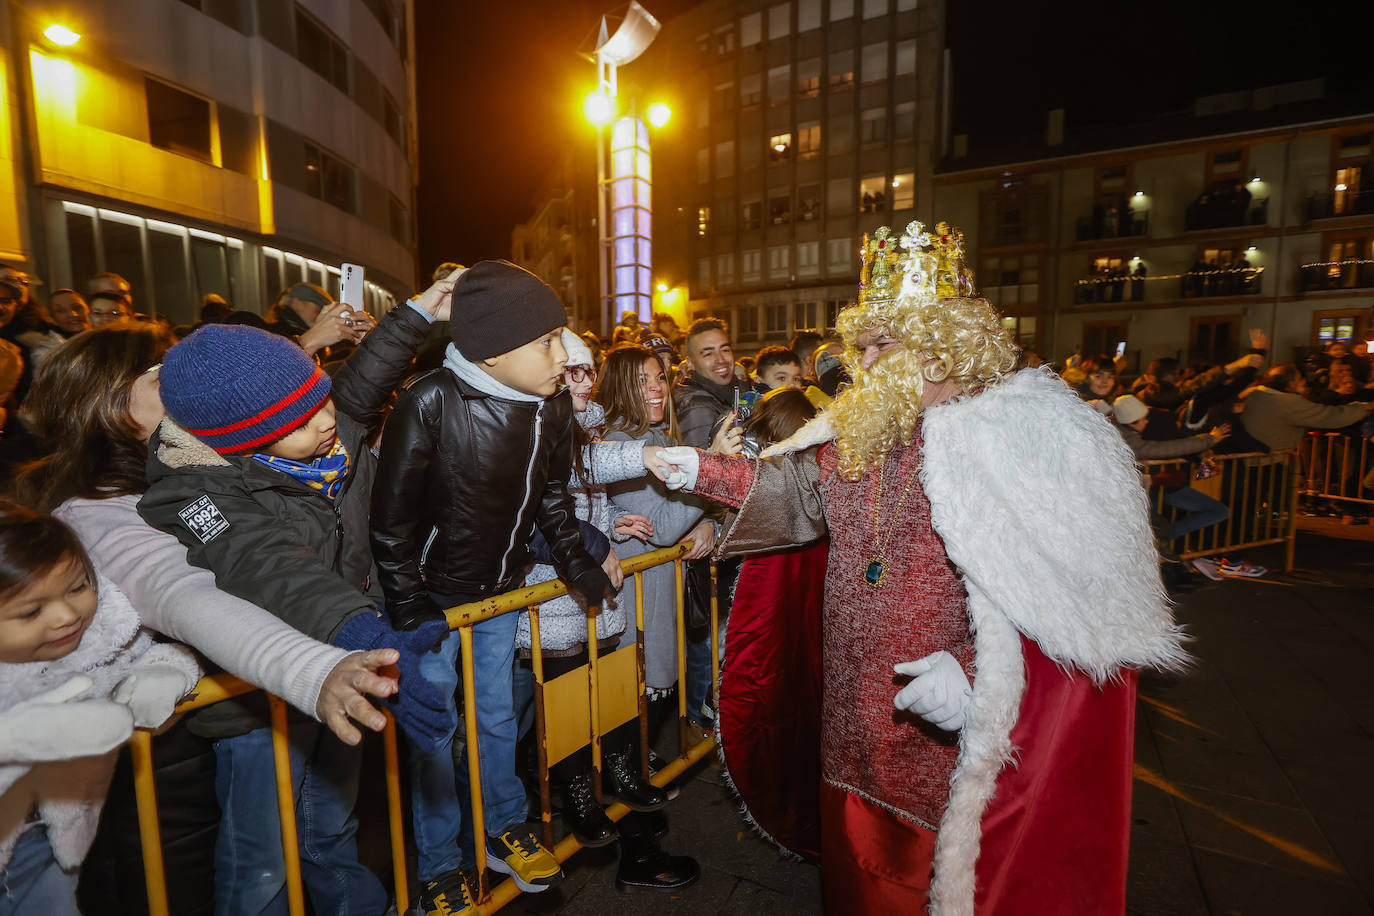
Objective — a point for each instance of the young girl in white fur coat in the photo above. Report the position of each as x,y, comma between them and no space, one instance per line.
77,675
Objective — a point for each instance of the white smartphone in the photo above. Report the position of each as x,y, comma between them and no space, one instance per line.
351,286
1121,349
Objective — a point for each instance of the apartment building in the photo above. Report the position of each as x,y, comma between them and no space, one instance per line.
209,146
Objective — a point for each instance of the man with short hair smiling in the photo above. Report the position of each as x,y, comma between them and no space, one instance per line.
707,392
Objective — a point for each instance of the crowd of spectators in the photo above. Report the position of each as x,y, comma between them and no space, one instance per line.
83,382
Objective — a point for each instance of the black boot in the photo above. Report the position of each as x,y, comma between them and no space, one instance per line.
623,780
584,817
644,864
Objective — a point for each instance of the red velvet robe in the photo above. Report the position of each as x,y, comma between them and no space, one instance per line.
828,767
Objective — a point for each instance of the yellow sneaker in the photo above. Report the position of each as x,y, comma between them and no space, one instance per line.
446,895
517,853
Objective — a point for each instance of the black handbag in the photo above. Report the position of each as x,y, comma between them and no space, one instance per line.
696,594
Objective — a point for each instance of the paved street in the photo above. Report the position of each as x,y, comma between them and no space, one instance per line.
1251,794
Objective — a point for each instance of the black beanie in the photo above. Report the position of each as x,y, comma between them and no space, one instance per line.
498,307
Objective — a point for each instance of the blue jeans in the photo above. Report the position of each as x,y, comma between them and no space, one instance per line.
250,872
438,789
1202,511
33,882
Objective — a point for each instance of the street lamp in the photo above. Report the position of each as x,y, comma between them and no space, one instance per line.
60,35
624,241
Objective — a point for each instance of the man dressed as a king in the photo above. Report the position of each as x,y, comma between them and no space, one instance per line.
989,591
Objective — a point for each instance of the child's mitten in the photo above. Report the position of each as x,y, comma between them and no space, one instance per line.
417,705
54,726
152,692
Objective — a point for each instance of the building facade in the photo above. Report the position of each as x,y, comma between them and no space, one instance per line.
797,127
804,124
210,146
558,243
1179,248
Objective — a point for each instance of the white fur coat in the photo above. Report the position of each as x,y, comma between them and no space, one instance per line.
1024,479
70,793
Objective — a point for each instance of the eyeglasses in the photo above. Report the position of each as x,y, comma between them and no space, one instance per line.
581,373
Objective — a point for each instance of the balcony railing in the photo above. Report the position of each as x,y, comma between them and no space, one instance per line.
1113,223
1332,204
1351,274
1225,211
1195,284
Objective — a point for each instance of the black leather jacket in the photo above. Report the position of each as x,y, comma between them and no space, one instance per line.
462,480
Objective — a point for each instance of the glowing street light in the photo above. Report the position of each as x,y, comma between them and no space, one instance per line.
659,114
61,35
599,108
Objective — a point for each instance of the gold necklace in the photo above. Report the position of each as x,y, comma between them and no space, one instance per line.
877,565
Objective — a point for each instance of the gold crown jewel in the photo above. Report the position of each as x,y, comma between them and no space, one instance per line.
936,266
882,263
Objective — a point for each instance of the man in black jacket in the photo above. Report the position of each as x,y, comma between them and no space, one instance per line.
707,392
475,455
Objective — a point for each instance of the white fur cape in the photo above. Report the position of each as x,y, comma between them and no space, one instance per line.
1041,508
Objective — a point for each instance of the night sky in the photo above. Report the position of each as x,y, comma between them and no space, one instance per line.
500,84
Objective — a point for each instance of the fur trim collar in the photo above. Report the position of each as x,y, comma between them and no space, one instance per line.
178,448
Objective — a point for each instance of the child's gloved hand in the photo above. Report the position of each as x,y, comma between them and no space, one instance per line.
152,692
55,726
418,707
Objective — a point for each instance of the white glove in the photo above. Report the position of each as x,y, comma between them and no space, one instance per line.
152,691
48,727
939,691
816,431
688,462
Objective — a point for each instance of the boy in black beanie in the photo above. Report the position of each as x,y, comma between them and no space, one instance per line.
476,454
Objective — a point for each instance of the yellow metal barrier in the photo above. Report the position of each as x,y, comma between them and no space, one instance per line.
1261,491
1338,467
462,618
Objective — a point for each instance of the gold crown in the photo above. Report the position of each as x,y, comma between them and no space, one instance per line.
919,264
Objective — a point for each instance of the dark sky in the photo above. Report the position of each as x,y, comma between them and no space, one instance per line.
499,84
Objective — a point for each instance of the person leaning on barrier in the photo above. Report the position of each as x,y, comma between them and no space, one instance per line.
94,405
1277,413
475,455
563,640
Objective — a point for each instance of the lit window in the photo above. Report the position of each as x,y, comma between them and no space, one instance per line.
703,221
809,139
779,147
904,191
873,194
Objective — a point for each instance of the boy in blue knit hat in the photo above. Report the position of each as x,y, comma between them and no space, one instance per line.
262,470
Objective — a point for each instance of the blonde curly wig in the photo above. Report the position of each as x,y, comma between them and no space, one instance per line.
959,339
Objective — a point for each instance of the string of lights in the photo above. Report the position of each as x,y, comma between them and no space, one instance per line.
1220,271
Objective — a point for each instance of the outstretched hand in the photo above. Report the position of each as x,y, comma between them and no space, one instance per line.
343,698
438,299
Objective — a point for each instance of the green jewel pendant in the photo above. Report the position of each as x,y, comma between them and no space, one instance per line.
874,575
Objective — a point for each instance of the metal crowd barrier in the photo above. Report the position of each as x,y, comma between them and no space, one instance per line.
1259,488
1338,467
590,702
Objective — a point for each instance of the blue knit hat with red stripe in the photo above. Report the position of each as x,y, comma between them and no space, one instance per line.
239,388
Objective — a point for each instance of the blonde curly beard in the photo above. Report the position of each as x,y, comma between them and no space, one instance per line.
959,340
